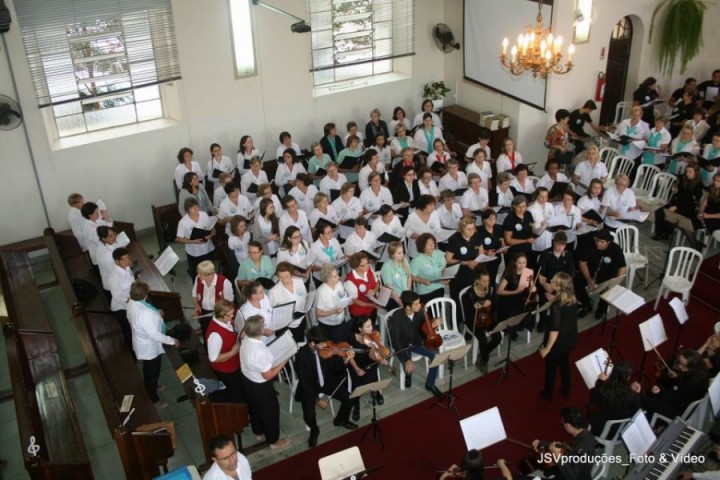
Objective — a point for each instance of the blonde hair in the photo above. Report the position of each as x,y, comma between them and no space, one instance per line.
563,284
593,147
464,222
319,197
636,109
74,198
206,267
222,308
393,247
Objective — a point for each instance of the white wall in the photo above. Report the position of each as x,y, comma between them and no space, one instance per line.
570,91
135,171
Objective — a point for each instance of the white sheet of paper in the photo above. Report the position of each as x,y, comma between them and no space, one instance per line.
309,301
101,205
165,262
636,215
652,332
711,93
211,222
443,235
282,316
714,392
482,258
679,308
382,298
344,302
122,240
590,366
585,228
450,272
560,221
638,436
283,348
623,299
483,429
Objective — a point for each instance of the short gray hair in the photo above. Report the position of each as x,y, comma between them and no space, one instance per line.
325,271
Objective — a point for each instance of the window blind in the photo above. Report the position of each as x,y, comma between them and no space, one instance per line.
353,32
93,50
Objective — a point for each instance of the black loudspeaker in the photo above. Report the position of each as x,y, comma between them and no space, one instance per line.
5,20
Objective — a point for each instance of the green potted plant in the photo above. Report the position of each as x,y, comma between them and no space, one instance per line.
679,32
436,92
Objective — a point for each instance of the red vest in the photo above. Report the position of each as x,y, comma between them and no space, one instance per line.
229,339
362,287
219,284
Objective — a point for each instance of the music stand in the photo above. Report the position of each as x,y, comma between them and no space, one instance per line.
682,316
450,356
602,288
625,302
374,426
652,333
507,362
341,464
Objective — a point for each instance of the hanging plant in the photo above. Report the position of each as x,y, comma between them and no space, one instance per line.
680,32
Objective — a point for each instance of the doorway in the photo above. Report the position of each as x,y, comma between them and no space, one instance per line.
616,69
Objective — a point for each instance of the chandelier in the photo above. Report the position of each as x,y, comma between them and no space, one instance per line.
537,51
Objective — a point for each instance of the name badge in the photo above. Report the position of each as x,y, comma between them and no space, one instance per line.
518,227
578,121
371,204
463,250
397,275
607,259
362,288
487,241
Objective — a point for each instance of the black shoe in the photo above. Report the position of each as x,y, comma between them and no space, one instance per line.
313,439
600,314
546,395
356,413
379,399
514,336
434,390
583,311
661,236
347,424
408,381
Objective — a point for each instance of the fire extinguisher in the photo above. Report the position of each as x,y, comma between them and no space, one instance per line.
600,90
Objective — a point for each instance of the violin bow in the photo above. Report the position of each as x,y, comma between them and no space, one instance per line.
377,362
658,355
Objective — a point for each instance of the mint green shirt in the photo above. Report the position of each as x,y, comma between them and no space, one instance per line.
428,268
316,164
394,276
248,270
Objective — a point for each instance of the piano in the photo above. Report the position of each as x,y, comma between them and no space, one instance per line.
678,439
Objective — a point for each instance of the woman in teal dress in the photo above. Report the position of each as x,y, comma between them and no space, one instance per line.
396,274
256,267
427,269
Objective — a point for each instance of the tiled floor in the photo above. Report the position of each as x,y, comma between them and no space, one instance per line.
99,443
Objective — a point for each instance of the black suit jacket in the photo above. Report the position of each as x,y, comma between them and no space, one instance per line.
370,133
306,370
325,144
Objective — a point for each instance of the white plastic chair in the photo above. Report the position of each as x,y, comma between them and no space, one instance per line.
475,343
680,273
414,356
660,192
618,165
622,111
628,237
610,439
644,177
686,416
446,309
708,241
608,153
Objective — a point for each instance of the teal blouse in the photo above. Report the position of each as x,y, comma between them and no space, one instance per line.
394,276
316,164
346,152
248,270
428,268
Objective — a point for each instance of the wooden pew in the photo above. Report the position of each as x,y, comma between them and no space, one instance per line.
215,416
166,219
44,408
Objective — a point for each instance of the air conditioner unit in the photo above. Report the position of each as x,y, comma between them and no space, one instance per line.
4,17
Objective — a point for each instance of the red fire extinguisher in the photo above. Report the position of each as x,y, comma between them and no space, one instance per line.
600,90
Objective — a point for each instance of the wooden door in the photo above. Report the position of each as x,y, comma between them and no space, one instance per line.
616,70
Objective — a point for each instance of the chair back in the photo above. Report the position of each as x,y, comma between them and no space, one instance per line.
461,299
628,237
385,326
623,166
662,186
445,309
613,429
607,154
643,179
684,262
622,111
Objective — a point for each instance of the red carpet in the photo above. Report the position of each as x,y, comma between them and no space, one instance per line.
419,441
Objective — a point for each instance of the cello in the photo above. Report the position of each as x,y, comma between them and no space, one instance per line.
433,340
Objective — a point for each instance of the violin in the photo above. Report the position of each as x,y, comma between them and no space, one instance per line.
664,373
483,317
340,349
378,351
433,340
531,302
539,458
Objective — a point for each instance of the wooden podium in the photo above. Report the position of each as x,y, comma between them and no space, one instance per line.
464,125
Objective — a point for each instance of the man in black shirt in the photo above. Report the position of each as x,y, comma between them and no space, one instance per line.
569,467
578,119
598,263
707,96
405,326
553,260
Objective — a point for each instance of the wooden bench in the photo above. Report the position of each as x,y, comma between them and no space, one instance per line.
214,413
45,411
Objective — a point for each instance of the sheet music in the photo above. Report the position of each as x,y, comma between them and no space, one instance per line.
282,315
623,299
483,429
122,240
590,366
444,235
559,221
309,301
283,348
638,436
165,262
101,205
635,215
679,308
652,332
211,222
450,272
585,228
482,258
344,302
382,298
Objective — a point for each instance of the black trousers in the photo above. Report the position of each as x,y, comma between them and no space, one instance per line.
205,321
193,262
487,345
151,374
341,394
234,384
554,362
582,295
121,317
263,407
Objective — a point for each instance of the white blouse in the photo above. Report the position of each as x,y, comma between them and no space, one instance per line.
248,179
284,174
302,223
328,299
548,183
304,200
504,164
224,165
485,172
330,215
239,246
372,201
474,201
301,258
255,358
415,226
430,189
450,219
618,202
181,170
353,243
327,183
449,183
347,211
280,295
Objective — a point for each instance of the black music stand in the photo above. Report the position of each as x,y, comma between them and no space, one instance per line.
507,362
372,389
450,356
